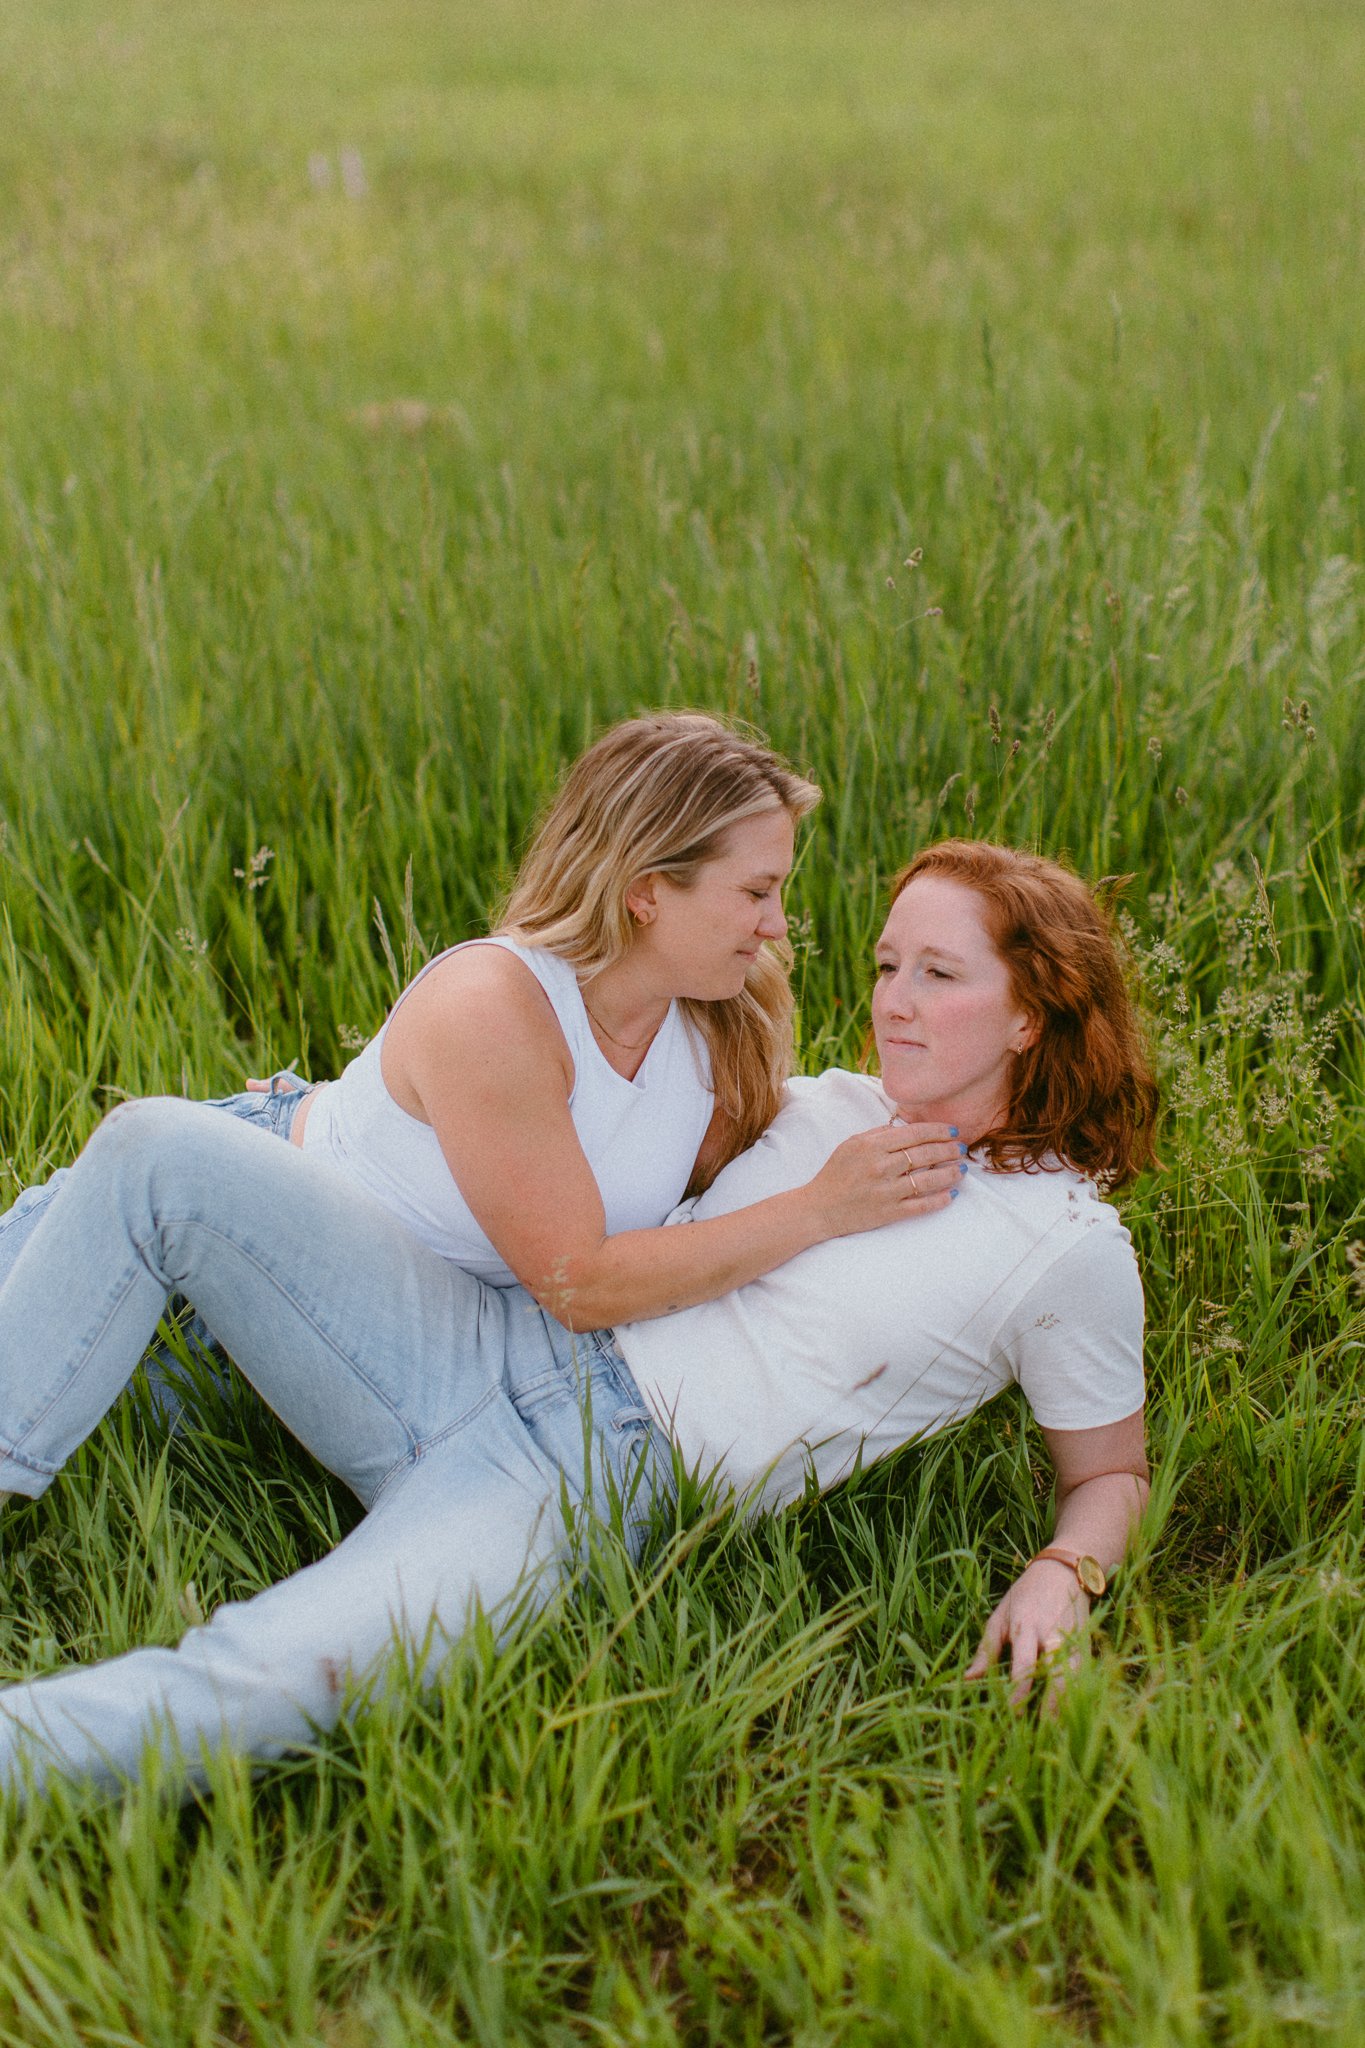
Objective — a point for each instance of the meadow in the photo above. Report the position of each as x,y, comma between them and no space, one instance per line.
973,396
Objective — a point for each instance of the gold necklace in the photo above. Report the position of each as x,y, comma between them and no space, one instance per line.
625,1044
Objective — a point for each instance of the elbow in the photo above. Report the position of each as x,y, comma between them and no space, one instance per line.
574,1299
574,1315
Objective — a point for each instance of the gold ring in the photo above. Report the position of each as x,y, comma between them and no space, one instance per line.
910,1174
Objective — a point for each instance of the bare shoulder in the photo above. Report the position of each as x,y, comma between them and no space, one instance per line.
475,999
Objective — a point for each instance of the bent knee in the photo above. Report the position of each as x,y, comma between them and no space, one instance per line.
141,1146
147,1120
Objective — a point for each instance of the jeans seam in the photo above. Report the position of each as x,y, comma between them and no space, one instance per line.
11,1454
73,1378
14,1215
423,1447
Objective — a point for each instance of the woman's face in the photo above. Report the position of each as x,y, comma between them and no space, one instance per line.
946,1019
701,941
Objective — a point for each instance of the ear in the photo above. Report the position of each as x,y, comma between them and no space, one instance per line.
642,899
1028,1034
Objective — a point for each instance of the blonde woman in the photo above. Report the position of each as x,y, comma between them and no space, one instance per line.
538,1101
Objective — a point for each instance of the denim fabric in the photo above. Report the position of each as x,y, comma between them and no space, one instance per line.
273,1111
464,1418
172,1392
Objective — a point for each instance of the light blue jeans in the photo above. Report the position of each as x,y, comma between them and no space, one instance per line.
472,1426
270,1110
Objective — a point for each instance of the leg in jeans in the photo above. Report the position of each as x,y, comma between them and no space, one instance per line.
273,1112
355,1333
476,1521
455,1408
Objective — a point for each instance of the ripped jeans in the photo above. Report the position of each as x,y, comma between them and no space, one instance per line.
464,1418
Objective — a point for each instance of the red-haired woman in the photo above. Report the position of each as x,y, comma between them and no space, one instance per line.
464,1416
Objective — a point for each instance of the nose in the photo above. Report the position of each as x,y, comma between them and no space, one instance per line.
898,995
773,923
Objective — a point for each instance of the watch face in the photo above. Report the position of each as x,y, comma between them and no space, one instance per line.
1090,1575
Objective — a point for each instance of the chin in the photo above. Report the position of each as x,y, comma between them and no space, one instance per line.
719,991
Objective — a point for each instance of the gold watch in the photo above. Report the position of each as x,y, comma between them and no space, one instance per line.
1089,1571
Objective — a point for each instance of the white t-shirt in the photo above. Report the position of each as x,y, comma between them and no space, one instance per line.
862,1343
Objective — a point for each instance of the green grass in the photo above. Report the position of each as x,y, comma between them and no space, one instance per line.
333,521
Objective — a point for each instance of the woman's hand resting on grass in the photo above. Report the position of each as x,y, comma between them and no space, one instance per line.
1101,1491
1041,1621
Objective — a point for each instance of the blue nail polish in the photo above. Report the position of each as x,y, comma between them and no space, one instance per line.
953,1194
963,1167
952,1130
963,1150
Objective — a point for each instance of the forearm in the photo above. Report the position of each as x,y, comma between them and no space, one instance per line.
638,1274
1097,1518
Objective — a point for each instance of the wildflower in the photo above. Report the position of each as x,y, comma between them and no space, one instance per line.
196,948
1355,1260
254,873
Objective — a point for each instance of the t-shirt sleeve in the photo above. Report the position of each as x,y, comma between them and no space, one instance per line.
1074,1343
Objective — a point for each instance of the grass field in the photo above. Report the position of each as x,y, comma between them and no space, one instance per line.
974,396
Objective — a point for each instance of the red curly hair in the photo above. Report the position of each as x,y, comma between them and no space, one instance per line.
1084,1091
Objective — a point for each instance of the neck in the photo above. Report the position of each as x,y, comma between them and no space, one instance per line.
623,1010
972,1119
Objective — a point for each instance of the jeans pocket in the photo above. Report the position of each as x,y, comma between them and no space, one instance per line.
273,1110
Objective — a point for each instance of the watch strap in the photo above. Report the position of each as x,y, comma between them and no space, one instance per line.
1090,1574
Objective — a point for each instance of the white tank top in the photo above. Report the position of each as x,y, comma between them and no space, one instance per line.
640,1137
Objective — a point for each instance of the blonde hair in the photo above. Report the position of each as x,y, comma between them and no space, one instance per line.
654,796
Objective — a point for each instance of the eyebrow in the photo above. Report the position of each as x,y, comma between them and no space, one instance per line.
939,953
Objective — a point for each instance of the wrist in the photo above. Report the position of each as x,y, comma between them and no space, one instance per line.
1086,1570
810,1221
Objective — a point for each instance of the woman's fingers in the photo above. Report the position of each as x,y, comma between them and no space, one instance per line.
1024,1655
1064,1660
925,1134
927,1157
1055,1646
993,1641
877,1177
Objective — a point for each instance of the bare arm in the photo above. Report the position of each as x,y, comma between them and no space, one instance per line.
1101,1491
476,1052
